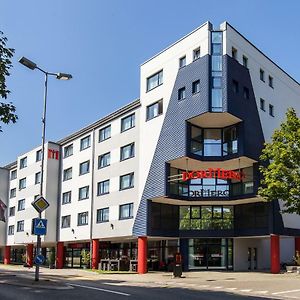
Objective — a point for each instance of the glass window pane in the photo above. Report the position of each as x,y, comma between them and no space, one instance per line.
216,63
212,150
216,37
216,48
216,95
212,136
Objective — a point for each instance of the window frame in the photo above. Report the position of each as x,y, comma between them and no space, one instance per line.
160,80
100,213
196,53
130,211
67,150
21,181
66,217
100,158
21,204
262,104
262,75
131,181
104,129
12,193
21,224
132,122
181,93
13,174
271,110
86,216
9,231
66,171
69,193
87,192
12,211
102,184
182,59
132,151
160,109
37,177
88,137
23,162
196,83
38,155
87,170
245,61
271,82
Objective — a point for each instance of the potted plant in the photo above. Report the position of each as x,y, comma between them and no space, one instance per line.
85,254
52,258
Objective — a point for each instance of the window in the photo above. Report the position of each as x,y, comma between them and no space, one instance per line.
262,75
21,204
83,193
37,178
127,122
246,93
20,226
182,62
127,151
271,81
104,160
84,168
181,93
234,53
103,187
262,104
66,197
11,230
68,151
196,87
271,110
127,181
154,110
245,61
235,86
230,141
212,142
12,193
38,155
66,221
126,211
82,218
67,174
103,215
104,133
12,211
85,143
13,175
154,80
196,53
23,162
22,183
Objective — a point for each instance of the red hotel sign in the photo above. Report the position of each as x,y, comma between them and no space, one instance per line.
213,173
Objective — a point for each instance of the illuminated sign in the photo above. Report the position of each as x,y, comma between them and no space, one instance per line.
54,154
202,193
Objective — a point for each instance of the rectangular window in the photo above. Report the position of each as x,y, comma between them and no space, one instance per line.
82,218
103,187
104,160
154,110
67,174
196,53
83,193
234,53
262,104
13,175
154,80
271,110
66,197
13,193
181,93
245,61
126,211
262,75
127,181
23,162
235,86
246,93
22,183
271,81
12,211
85,143
66,221
68,151
37,178
21,204
182,62
38,155
84,168
11,230
196,87
105,133
20,226
127,151
127,122
103,215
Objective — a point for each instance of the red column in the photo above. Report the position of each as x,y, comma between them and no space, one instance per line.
95,254
29,254
7,255
275,254
60,255
142,255
297,244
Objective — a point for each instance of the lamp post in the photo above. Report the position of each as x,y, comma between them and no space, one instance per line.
62,76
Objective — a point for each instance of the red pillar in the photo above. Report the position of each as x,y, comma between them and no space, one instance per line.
297,244
7,255
59,255
95,254
29,254
142,255
275,254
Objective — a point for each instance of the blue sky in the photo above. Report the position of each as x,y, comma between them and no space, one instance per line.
102,44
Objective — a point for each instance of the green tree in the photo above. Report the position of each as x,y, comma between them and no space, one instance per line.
7,110
281,165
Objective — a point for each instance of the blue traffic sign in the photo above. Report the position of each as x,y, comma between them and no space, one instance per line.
39,259
39,226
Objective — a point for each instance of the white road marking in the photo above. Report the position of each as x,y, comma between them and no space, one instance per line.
285,292
246,290
99,289
231,289
217,287
260,292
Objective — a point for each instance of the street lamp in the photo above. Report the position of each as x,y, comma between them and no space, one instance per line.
62,76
